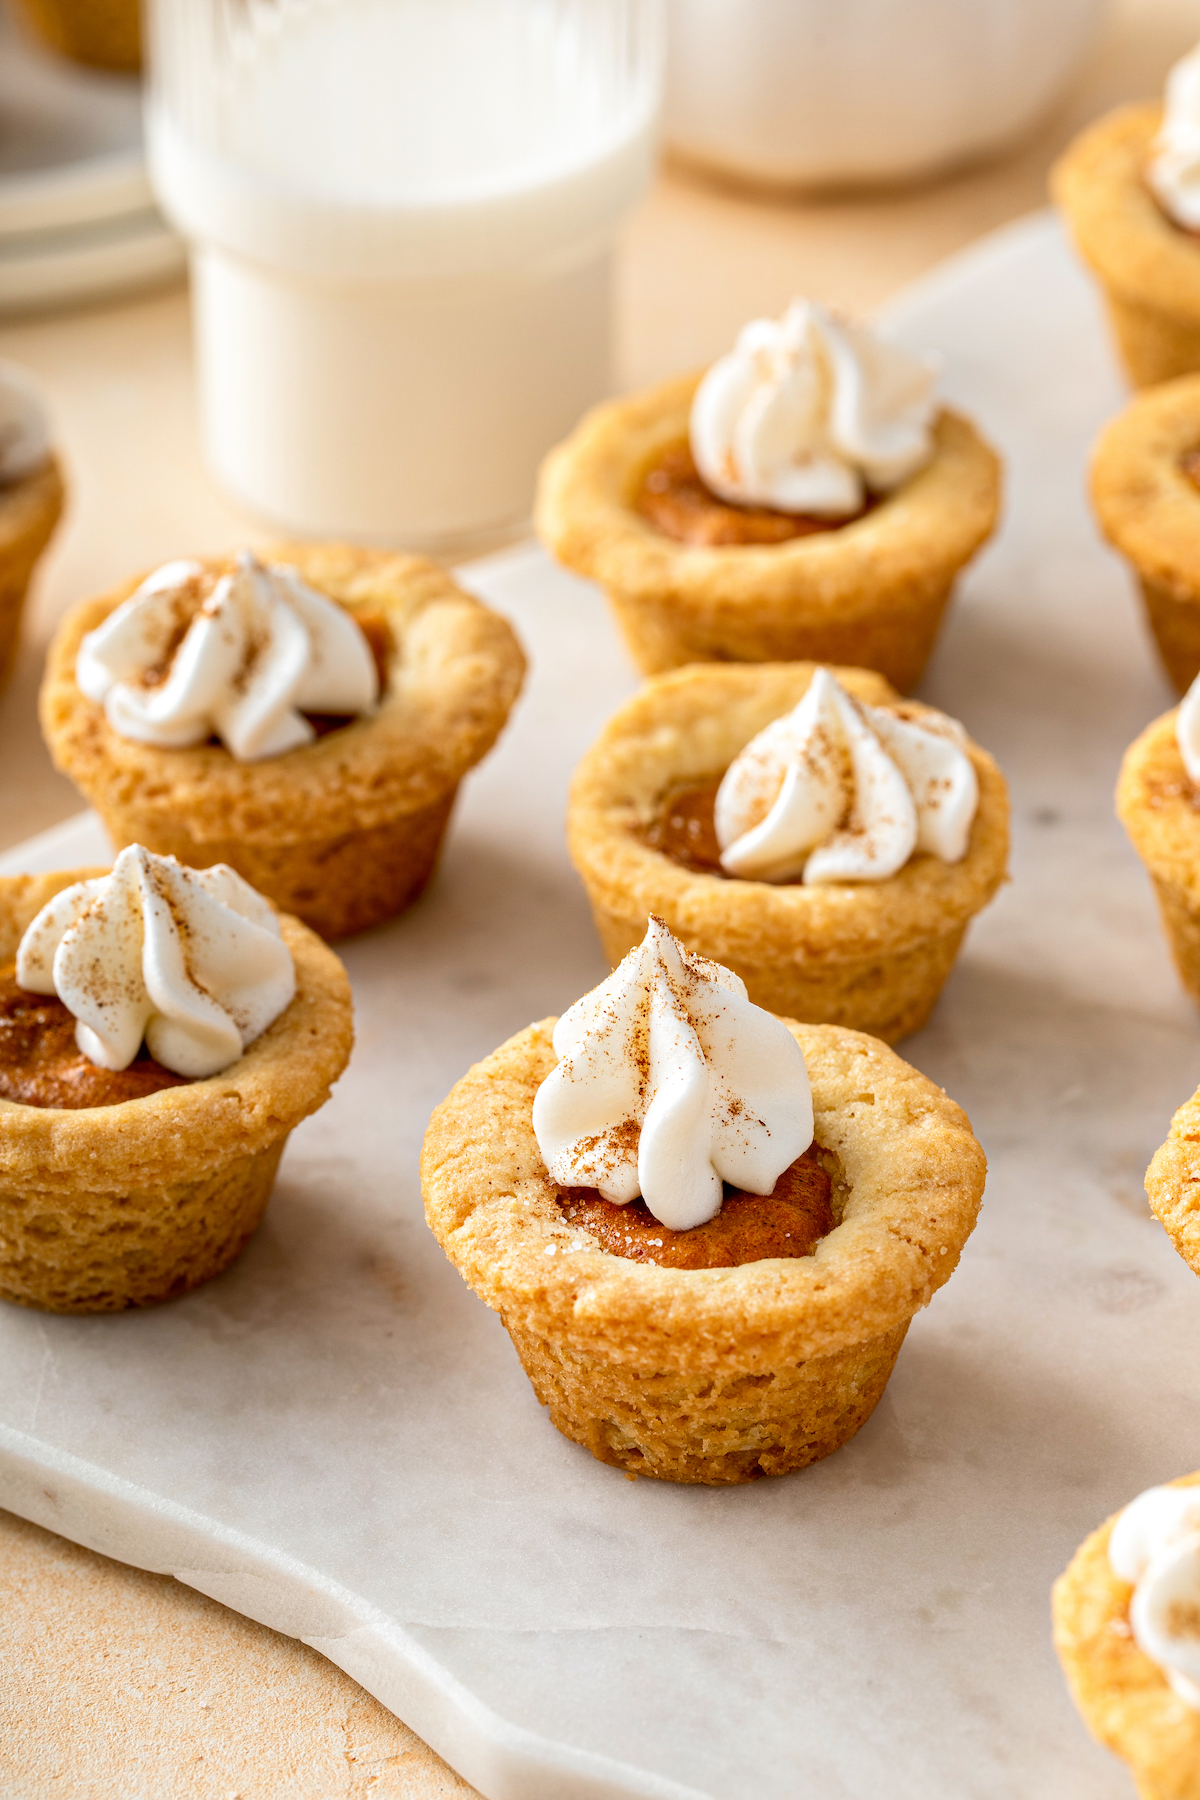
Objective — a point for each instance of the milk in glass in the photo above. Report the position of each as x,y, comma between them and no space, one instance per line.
401,216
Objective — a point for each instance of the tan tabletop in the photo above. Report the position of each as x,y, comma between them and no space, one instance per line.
118,1683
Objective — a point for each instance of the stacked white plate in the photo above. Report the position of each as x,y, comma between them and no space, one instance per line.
77,218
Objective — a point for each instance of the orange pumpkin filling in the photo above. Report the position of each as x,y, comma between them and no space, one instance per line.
40,1064
790,1221
676,501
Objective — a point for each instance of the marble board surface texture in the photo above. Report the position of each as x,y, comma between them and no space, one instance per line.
336,1437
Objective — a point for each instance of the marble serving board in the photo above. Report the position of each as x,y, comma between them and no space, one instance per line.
336,1438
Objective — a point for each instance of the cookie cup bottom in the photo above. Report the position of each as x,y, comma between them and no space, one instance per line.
1125,1699
337,885
710,1375
1154,345
895,636
695,1428
104,1252
1174,620
108,1207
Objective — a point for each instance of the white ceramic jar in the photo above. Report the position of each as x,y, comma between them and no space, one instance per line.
827,92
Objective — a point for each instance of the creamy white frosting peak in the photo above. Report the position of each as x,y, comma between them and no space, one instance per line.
1155,1545
808,412
669,1082
191,960
838,791
24,428
1187,730
1174,167
261,650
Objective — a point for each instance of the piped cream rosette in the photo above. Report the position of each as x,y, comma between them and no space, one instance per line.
848,883
810,414
261,650
836,791
670,1082
190,961
663,1081
1127,1631
127,1204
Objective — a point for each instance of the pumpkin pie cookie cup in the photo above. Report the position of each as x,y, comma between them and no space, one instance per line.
344,832
108,1207
1148,507
1126,1700
1148,267
1173,1186
711,1375
870,593
29,511
872,955
1160,809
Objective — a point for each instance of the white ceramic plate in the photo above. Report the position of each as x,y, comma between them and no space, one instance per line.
77,217
336,1437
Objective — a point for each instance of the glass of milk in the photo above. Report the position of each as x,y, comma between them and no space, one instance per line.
401,216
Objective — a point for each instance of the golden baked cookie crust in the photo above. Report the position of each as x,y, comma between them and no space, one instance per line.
1173,1183
870,955
870,593
1126,1700
1149,268
29,511
710,1375
1158,807
343,831
1149,510
113,1206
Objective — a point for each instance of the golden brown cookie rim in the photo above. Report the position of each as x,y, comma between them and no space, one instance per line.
1164,831
1148,508
710,711
455,672
585,512
914,1171
1118,226
181,1132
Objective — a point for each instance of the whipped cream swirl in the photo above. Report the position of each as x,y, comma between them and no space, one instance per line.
1155,1545
839,791
1173,171
808,413
24,429
669,1082
173,667
1187,730
190,960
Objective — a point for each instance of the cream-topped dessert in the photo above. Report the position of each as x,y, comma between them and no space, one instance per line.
1173,171
837,790
191,962
243,657
670,1083
24,427
809,414
1155,1546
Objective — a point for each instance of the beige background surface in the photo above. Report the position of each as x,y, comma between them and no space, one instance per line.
118,1683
